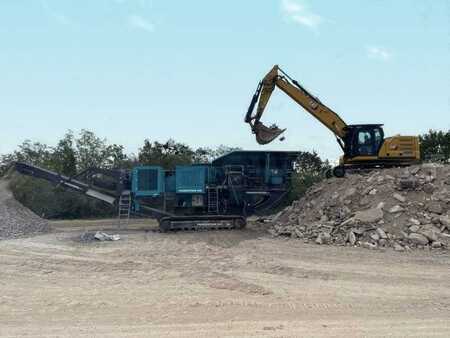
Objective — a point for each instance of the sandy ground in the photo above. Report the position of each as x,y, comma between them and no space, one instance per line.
239,283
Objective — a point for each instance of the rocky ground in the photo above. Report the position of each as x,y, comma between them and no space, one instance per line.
240,283
401,208
15,219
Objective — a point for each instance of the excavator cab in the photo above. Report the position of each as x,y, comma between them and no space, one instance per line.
363,140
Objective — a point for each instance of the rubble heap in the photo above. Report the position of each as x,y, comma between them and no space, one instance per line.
15,219
402,208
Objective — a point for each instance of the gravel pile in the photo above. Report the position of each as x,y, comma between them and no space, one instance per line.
15,219
402,208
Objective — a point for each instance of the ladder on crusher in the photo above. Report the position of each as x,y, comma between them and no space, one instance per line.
124,208
213,200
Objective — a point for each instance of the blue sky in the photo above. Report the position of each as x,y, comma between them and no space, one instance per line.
135,69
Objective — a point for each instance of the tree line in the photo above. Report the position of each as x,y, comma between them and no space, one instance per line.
75,152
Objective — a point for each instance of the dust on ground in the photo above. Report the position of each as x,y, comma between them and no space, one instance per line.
215,284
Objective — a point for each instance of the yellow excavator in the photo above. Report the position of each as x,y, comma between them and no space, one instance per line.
364,145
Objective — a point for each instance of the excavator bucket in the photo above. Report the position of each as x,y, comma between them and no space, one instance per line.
266,134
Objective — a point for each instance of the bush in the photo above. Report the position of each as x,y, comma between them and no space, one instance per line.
56,203
435,145
310,169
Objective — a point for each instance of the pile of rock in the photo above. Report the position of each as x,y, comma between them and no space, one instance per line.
402,208
15,219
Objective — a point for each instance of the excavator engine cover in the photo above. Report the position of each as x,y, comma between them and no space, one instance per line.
266,134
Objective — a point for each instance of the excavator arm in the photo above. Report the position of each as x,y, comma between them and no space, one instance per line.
277,78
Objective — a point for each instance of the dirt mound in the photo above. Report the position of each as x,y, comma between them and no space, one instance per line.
402,208
15,219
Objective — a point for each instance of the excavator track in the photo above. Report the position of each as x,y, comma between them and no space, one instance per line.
201,223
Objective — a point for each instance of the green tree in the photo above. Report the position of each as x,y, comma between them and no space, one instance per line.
31,152
5,163
309,169
91,150
435,145
69,155
115,156
64,157
168,154
206,155
202,155
35,153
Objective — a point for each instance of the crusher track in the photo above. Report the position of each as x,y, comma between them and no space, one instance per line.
201,223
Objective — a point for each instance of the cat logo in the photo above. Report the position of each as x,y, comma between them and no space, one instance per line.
313,104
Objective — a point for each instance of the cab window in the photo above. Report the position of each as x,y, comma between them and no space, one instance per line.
378,138
366,142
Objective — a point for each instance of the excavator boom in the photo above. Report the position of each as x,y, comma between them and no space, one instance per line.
277,78
364,145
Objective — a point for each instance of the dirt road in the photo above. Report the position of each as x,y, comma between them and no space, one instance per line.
215,284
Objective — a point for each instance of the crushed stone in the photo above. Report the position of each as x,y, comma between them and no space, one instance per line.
401,208
15,219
